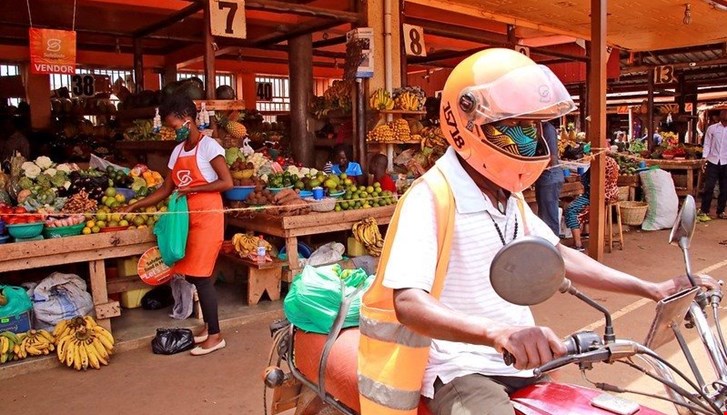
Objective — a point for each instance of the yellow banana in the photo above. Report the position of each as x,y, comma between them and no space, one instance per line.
83,355
70,353
100,349
4,345
60,327
90,323
77,355
92,358
105,335
47,336
62,347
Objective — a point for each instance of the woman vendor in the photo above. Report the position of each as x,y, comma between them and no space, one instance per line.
199,171
577,211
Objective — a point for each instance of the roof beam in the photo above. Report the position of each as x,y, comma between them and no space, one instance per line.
170,20
275,38
331,41
681,65
302,10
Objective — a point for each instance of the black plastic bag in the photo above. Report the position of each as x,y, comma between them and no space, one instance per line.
158,298
171,341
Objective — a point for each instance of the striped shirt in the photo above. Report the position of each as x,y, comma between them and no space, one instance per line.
467,289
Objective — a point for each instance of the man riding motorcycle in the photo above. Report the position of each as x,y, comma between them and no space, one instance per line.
432,325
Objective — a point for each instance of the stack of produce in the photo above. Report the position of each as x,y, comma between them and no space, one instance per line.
381,134
627,165
260,197
9,346
365,197
381,100
398,130
242,173
34,343
367,232
401,129
410,98
246,244
336,98
81,343
40,182
290,204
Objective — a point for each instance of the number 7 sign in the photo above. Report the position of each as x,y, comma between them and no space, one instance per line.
227,18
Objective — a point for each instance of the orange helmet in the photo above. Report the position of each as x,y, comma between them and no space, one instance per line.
496,85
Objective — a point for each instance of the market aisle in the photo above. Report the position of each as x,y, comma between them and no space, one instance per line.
228,382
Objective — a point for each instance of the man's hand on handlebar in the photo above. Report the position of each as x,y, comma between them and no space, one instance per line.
680,283
530,347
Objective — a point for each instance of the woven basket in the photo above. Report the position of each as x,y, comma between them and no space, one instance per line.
623,193
633,213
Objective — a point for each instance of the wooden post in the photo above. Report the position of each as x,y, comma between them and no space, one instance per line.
138,65
209,57
597,126
170,74
359,150
682,90
582,95
650,110
402,48
300,56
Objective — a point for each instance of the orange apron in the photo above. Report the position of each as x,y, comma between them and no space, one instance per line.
206,220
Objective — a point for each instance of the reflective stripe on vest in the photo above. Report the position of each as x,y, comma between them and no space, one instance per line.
392,333
386,395
392,357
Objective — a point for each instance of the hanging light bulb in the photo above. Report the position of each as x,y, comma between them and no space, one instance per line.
118,46
687,14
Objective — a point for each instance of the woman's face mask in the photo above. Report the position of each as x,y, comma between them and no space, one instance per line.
183,131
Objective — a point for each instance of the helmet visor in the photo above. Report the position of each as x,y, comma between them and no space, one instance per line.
520,140
532,92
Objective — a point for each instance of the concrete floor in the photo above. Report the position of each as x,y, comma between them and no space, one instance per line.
228,382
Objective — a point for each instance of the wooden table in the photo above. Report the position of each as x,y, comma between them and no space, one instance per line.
93,249
571,189
314,223
691,187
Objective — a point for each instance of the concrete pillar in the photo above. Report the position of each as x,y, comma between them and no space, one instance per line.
300,56
170,74
373,11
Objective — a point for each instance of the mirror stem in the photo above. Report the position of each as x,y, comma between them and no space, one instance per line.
701,297
608,335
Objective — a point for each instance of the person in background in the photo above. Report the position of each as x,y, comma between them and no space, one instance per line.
13,140
342,164
550,182
378,166
715,156
577,211
199,171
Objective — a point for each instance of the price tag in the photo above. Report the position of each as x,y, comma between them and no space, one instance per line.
523,49
227,18
83,85
264,91
414,40
664,75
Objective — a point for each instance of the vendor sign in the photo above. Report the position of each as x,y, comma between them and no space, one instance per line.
151,268
52,51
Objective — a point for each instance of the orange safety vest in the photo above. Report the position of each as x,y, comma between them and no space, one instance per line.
392,358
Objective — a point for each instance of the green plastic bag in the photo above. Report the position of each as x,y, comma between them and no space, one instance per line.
316,294
172,229
18,301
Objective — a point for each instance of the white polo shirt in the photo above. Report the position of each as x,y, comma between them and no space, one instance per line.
715,144
467,289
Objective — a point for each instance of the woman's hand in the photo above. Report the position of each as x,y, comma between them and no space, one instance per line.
128,209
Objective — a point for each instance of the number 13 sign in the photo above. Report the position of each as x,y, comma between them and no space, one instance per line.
227,18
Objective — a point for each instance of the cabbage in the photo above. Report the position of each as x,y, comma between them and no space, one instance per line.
43,181
30,169
64,167
59,178
44,162
51,172
25,183
232,155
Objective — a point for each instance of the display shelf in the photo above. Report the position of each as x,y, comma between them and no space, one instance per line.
418,142
220,105
330,142
136,113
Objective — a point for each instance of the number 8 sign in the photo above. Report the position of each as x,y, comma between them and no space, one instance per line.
414,40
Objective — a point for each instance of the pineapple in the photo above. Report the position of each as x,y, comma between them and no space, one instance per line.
234,128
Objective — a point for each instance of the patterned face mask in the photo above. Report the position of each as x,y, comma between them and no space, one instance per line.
515,139
183,132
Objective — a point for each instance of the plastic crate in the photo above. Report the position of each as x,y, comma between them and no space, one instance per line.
19,323
132,298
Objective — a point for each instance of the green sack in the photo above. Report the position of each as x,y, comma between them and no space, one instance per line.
316,294
18,301
172,230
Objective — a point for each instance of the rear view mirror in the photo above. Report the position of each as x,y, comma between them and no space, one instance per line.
527,271
685,224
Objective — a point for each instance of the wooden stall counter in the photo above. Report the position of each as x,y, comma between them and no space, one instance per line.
683,173
314,223
94,249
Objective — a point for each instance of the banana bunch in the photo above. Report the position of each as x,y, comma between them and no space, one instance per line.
401,130
381,100
83,344
407,101
247,244
433,138
381,134
367,232
35,343
8,343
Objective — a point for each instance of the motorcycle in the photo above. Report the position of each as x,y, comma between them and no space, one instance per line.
322,375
